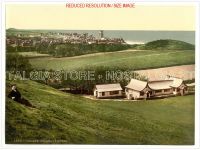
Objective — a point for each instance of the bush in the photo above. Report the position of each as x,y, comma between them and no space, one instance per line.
16,62
68,49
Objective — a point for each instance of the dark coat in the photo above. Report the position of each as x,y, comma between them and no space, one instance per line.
17,97
16,94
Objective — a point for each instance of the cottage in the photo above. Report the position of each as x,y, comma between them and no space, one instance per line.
179,88
137,89
108,91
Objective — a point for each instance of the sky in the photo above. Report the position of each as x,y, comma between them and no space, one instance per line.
142,17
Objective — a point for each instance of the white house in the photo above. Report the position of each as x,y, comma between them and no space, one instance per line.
179,88
137,89
108,90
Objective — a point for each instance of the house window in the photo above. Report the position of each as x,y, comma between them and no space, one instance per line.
103,93
167,90
114,92
158,91
142,93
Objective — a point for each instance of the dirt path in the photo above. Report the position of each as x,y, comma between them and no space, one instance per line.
95,54
186,72
118,100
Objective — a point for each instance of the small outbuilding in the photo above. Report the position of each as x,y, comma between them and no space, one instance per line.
108,91
137,89
179,87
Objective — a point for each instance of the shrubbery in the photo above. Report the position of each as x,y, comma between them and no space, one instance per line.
67,50
16,62
102,75
20,49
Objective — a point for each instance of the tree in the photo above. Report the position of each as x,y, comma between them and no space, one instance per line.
16,62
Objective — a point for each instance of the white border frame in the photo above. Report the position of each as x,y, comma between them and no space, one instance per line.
52,146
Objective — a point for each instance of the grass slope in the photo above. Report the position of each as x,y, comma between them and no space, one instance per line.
66,118
134,60
33,54
167,45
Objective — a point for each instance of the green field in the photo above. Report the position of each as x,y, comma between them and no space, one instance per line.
32,54
65,118
132,60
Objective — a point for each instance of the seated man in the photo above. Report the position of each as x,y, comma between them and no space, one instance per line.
16,96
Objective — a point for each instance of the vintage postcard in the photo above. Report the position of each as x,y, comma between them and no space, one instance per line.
101,73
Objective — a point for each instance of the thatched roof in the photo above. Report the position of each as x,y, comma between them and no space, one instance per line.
137,85
166,84
108,87
155,85
159,85
176,81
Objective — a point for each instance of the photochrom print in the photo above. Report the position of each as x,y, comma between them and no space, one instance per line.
100,73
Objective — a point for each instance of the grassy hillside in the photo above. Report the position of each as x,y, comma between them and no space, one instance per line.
132,60
32,54
65,118
167,45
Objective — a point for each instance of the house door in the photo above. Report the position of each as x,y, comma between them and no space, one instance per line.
149,93
130,96
96,93
183,91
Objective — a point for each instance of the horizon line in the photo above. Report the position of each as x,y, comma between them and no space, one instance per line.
96,29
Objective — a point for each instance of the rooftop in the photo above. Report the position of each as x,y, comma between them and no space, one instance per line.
161,84
108,87
155,85
137,85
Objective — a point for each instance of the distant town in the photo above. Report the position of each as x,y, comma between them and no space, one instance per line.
32,39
